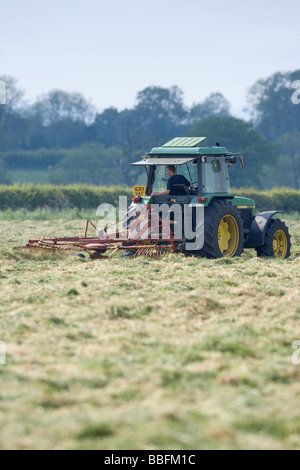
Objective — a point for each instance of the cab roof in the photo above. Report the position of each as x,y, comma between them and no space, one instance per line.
187,146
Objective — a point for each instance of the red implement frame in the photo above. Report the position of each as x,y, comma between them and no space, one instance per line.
97,246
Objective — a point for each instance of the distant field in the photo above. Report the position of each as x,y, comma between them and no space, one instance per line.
176,353
23,176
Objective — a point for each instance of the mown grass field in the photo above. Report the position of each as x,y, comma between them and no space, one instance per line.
176,353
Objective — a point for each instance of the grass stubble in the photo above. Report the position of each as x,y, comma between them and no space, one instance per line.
171,353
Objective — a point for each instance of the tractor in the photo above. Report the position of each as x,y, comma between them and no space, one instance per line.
230,223
199,184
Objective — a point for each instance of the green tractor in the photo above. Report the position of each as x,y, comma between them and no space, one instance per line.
202,181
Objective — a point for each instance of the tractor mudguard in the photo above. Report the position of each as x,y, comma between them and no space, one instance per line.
258,229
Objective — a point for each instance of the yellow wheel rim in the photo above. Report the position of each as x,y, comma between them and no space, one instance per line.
228,235
280,244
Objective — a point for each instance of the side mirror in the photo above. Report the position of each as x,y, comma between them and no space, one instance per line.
242,161
230,160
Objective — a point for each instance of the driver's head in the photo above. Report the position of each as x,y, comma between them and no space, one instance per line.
171,170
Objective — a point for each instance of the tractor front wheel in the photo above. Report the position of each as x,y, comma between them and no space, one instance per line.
277,240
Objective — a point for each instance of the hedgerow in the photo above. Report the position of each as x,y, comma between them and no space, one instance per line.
59,197
83,196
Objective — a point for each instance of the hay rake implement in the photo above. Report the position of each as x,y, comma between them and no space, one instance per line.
147,241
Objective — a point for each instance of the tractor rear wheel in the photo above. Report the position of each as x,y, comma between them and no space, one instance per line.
223,231
277,240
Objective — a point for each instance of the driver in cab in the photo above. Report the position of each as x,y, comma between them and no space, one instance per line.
173,179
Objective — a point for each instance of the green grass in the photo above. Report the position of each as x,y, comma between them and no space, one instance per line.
175,353
43,214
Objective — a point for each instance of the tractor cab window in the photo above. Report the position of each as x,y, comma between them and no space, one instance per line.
161,179
215,175
189,171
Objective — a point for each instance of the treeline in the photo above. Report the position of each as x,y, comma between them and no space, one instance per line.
63,135
79,196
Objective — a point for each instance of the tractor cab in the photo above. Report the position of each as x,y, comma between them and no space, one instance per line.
199,171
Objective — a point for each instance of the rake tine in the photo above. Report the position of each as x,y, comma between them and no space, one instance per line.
114,251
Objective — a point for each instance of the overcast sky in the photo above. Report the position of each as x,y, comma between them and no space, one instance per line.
111,49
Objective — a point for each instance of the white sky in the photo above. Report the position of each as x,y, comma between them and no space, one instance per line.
111,49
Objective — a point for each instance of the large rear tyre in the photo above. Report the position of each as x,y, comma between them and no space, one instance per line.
223,231
277,240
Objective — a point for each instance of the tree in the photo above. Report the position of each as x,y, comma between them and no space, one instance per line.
161,114
4,179
14,125
15,131
57,106
239,136
214,105
123,130
273,111
163,103
61,120
106,127
290,146
13,94
158,115
91,164
287,170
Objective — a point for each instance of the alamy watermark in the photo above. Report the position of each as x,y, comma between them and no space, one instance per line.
153,222
296,354
2,352
2,92
296,95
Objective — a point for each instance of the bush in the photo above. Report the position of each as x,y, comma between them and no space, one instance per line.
284,199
